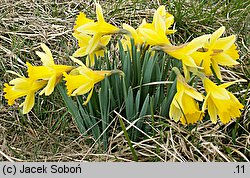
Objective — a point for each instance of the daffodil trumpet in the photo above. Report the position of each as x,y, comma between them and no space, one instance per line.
23,87
220,103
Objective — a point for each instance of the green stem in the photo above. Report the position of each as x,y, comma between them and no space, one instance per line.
196,72
177,71
116,71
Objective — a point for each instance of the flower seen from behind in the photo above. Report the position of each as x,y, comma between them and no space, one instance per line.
84,41
155,33
99,27
49,71
134,34
184,53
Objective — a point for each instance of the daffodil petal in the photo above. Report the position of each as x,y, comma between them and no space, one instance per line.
212,111
216,91
195,44
186,72
169,22
89,96
90,60
20,84
205,103
99,14
168,32
47,51
80,52
50,86
216,69
47,59
28,103
83,39
174,112
225,85
132,31
88,28
159,24
83,89
105,39
14,73
225,59
216,35
161,11
189,61
93,43
225,43
194,94
152,37
77,61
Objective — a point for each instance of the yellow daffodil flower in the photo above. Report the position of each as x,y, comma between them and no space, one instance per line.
133,33
183,106
220,102
20,87
82,80
217,51
101,26
84,41
96,34
49,71
155,33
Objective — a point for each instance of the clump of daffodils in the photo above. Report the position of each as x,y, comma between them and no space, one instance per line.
198,57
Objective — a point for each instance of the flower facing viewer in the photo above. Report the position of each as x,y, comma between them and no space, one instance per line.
217,51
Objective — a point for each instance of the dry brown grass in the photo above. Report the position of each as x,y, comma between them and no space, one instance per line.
24,24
